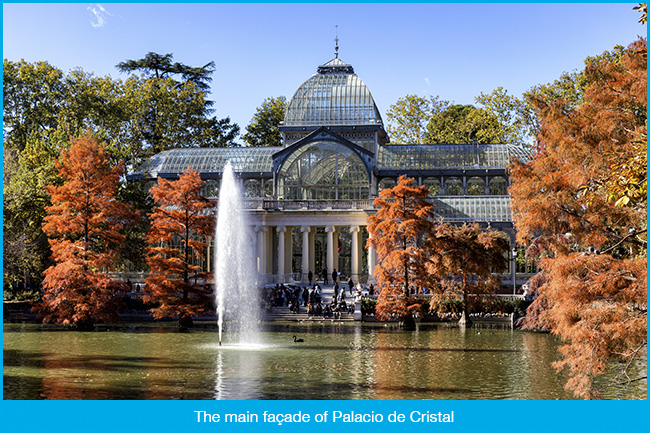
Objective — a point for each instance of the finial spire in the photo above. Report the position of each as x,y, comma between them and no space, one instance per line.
336,45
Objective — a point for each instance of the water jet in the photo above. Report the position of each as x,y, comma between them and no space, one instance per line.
237,295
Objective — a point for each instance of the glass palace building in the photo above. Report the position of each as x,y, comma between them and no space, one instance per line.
310,199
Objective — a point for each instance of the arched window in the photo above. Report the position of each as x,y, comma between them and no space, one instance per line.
323,170
498,186
211,189
433,185
268,188
453,186
475,186
251,188
386,182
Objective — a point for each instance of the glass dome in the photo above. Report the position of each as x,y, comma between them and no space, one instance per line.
323,170
333,96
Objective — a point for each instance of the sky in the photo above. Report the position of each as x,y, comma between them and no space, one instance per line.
455,51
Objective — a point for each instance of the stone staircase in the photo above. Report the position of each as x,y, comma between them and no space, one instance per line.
284,314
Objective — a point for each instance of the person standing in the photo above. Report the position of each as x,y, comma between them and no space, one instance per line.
310,277
325,275
334,276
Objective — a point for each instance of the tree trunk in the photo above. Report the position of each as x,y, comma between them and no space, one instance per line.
408,323
185,322
86,324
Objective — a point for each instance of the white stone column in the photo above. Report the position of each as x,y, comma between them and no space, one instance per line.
281,269
305,252
372,258
330,248
261,249
354,266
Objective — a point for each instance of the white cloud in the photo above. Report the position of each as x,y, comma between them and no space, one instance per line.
426,80
100,14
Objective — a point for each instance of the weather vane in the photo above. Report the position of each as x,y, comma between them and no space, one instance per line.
336,40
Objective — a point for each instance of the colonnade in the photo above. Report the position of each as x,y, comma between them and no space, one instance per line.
274,252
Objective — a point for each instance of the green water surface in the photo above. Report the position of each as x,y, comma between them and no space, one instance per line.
335,361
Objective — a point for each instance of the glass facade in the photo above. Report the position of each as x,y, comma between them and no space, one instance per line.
209,160
468,208
323,170
461,156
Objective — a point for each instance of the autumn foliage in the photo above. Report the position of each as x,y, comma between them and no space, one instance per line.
84,226
415,251
398,231
580,204
463,261
180,225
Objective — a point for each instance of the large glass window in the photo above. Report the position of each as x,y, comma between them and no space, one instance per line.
433,185
268,188
453,186
498,186
324,170
386,182
475,186
252,188
211,189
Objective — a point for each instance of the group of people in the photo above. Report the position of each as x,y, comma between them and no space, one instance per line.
295,296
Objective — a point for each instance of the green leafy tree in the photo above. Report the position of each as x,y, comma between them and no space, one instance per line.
409,116
263,130
515,116
464,124
173,107
155,65
26,252
32,94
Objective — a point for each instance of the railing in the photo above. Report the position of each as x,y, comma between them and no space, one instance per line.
283,205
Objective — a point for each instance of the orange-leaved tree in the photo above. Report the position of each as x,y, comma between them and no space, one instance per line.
580,204
397,232
180,226
462,260
84,225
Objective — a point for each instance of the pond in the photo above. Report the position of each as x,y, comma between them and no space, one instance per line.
335,361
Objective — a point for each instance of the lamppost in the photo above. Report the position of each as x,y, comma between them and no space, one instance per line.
514,271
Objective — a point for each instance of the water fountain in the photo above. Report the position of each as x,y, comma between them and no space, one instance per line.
235,277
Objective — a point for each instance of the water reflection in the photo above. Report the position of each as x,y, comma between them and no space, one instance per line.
335,361
238,373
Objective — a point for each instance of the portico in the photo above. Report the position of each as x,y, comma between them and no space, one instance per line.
289,248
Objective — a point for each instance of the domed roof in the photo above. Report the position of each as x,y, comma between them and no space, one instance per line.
335,95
